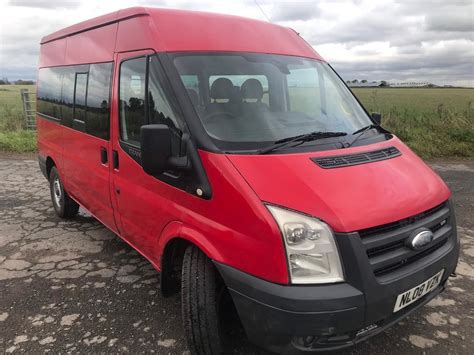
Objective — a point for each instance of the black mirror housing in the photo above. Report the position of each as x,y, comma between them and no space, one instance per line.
377,117
155,148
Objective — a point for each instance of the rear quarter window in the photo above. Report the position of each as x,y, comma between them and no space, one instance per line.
49,92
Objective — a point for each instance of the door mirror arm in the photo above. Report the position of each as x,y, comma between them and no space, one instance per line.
179,163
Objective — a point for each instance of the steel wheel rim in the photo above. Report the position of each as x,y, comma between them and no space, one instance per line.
57,191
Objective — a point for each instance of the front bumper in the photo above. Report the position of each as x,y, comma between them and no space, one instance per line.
309,318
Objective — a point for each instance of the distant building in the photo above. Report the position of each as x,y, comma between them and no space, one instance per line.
411,84
375,84
360,84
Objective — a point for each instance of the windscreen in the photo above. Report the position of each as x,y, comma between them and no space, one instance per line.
249,100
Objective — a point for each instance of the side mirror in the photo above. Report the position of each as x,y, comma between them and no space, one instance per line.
155,148
156,154
377,117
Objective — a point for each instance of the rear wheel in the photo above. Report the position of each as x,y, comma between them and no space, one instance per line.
64,206
201,292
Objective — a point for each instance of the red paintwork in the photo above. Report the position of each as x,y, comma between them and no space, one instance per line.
167,31
234,227
86,178
350,198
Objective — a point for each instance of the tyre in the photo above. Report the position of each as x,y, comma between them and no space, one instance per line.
64,206
201,292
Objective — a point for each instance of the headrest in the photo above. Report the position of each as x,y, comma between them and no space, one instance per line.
193,95
222,88
252,89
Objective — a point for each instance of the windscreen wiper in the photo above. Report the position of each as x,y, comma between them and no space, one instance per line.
300,139
362,132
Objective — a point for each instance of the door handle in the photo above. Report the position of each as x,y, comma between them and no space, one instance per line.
115,159
103,155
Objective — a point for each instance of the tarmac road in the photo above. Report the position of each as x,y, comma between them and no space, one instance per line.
73,286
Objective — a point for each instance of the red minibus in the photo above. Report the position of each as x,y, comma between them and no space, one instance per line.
233,157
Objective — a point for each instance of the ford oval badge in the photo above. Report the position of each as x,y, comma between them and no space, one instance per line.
420,238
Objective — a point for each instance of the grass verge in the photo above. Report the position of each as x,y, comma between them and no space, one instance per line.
18,141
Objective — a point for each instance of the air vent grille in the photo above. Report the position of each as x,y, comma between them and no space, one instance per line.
339,161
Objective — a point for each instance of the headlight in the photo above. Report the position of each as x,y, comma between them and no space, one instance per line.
310,248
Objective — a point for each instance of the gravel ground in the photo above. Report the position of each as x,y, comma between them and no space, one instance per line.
73,286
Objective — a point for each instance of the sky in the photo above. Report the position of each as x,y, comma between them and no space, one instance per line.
392,40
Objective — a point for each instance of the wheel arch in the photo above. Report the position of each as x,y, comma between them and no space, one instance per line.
49,165
173,243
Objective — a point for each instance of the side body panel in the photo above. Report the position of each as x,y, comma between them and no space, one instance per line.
76,154
50,141
233,227
49,133
87,178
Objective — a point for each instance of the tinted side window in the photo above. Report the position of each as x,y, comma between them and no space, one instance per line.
80,91
132,99
98,100
159,107
49,92
67,95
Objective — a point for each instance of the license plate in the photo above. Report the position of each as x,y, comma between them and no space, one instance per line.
406,298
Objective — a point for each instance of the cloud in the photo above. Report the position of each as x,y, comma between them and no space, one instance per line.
439,62
46,4
294,11
456,21
363,39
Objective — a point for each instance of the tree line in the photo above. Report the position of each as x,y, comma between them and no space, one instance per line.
17,82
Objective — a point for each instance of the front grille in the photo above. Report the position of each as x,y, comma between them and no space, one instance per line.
339,161
409,260
386,245
399,224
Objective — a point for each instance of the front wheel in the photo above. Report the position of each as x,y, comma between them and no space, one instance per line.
200,296
64,206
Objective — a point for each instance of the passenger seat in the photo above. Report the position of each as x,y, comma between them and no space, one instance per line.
224,98
252,94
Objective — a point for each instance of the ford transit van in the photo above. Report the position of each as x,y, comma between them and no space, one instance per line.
233,157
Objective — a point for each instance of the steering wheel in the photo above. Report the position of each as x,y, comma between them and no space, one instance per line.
214,115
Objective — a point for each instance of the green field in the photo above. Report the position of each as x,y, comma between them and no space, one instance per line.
433,122
13,137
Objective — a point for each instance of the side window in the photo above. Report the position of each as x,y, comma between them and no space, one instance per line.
132,99
80,90
98,100
67,95
159,108
49,92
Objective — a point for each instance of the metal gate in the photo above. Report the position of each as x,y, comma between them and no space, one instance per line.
29,111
